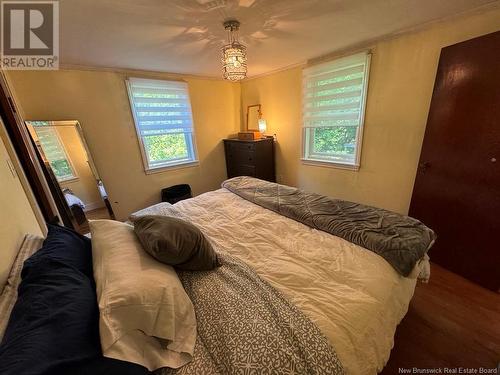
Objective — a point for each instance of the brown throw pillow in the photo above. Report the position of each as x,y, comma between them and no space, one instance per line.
175,242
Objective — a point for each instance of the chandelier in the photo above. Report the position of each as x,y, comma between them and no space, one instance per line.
234,56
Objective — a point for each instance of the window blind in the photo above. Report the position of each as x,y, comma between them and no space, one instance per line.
53,150
163,120
334,95
334,91
160,107
51,145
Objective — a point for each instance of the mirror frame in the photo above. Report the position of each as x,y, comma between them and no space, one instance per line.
68,216
79,129
256,129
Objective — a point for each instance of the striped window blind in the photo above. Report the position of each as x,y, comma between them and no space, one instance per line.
334,97
163,120
55,153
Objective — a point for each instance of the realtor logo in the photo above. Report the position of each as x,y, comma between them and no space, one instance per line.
30,35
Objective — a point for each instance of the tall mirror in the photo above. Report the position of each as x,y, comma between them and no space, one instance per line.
64,151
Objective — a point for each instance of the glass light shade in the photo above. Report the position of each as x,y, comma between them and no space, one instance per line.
262,125
234,61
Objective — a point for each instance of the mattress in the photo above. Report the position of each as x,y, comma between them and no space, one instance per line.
353,295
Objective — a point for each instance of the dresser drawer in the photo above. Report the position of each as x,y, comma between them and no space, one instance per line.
241,157
250,158
240,146
241,170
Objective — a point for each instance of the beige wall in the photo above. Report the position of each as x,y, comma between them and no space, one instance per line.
99,101
85,185
401,81
402,76
16,215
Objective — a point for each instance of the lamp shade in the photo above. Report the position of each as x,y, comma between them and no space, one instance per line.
262,125
234,62
234,55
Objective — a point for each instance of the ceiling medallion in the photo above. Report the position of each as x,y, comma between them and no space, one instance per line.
234,55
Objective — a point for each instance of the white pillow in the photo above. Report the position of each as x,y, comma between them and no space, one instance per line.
146,317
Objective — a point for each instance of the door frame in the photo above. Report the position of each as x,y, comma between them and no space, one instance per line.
28,157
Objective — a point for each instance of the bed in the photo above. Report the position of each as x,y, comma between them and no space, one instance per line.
353,295
350,297
76,206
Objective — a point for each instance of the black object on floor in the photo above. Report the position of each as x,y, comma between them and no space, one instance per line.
176,193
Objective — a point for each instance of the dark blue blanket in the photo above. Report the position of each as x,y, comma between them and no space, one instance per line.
54,326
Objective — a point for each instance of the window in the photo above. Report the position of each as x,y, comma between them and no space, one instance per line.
55,153
334,96
164,122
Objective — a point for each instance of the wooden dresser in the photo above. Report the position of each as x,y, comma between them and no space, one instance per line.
250,158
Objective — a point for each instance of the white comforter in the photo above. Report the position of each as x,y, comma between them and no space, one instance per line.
353,295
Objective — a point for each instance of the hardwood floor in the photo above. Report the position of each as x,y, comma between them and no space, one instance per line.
98,213
451,323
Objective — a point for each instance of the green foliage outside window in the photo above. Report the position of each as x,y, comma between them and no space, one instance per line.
166,147
61,169
337,140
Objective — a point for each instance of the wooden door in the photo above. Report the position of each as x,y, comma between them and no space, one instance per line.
457,188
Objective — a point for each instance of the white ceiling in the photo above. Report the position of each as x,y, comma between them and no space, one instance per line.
184,36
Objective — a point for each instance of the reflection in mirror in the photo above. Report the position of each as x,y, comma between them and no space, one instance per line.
64,151
253,116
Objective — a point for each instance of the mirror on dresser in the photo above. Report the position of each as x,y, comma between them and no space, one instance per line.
62,147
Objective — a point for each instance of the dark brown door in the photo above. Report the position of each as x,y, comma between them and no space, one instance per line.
457,189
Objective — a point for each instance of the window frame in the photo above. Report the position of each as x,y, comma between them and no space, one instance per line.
167,164
74,175
308,132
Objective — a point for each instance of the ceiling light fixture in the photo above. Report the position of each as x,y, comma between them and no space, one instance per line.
234,55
